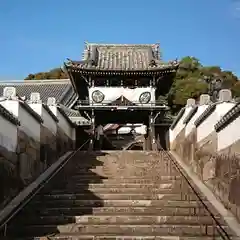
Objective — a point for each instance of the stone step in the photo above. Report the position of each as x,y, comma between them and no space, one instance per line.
145,169
132,180
72,189
170,230
121,237
159,187
150,175
126,185
80,210
115,203
116,196
108,219
82,180
160,179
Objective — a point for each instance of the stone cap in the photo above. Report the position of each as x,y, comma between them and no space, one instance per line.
204,99
35,97
9,92
191,102
225,95
51,101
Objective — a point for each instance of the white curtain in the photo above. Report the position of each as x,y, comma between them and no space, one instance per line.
113,93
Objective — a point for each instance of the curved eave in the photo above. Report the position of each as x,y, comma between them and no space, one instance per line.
138,72
65,68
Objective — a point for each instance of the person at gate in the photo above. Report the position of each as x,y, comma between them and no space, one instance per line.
99,136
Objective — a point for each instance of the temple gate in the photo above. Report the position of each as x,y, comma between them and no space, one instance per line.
120,83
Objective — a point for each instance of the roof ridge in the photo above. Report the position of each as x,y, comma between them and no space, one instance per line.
30,82
122,44
46,81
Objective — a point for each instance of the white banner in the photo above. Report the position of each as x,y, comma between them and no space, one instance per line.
113,93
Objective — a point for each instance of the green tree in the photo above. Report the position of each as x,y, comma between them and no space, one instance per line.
56,73
190,81
236,89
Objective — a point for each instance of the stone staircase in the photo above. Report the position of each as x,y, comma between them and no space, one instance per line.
116,195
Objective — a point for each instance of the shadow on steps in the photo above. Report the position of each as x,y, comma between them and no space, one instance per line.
44,215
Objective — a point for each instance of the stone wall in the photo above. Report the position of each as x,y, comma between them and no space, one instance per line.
218,168
31,139
48,148
28,152
10,182
66,130
64,142
48,132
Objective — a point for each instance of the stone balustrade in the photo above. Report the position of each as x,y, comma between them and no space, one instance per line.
207,137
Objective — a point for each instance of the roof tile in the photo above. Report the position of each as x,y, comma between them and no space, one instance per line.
62,90
125,57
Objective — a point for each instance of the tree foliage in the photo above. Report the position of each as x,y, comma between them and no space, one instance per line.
55,73
189,82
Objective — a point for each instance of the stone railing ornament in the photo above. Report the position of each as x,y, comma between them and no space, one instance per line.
35,97
9,92
190,102
204,99
225,95
51,101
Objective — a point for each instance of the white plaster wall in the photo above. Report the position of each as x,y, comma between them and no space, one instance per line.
29,124
229,135
54,110
179,127
63,123
207,127
8,134
12,106
37,108
113,93
48,121
191,126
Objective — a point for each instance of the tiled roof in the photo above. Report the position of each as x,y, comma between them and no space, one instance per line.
126,57
62,110
208,111
8,115
229,117
177,119
62,90
31,111
75,116
46,107
190,115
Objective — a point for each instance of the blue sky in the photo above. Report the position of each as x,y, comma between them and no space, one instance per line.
39,35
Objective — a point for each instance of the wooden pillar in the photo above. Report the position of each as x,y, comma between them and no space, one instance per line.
154,81
153,144
91,144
